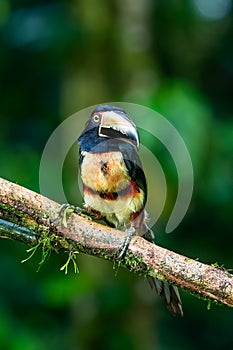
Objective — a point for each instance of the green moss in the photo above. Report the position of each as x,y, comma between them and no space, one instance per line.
216,264
210,302
134,263
45,215
71,258
45,243
12,210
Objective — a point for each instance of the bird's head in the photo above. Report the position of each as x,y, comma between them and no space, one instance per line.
109,122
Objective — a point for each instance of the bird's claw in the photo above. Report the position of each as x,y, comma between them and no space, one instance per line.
66,209
128,235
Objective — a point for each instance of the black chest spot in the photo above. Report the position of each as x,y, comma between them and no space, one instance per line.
104,167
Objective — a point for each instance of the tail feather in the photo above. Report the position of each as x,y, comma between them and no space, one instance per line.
168,293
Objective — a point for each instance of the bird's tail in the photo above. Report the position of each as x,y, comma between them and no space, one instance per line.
168,293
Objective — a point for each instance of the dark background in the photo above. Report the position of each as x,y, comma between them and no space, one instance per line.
57,57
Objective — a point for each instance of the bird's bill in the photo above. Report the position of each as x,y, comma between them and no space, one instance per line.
117,125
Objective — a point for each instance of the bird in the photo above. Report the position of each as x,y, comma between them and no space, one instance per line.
114,183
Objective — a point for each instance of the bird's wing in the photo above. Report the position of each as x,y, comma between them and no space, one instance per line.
134,167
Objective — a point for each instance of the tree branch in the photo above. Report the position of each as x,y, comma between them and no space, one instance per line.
27,216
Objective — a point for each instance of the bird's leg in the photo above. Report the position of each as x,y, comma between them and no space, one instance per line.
129,232
66,209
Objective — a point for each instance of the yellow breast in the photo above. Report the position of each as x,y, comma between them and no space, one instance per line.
103,172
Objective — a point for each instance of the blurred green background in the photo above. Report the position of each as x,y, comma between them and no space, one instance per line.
57,57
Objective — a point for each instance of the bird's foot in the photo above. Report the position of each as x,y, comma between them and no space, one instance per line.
66,209
128,235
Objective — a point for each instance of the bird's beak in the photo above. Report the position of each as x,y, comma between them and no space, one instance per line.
118,125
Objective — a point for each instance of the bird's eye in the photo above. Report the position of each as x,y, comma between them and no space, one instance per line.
96,118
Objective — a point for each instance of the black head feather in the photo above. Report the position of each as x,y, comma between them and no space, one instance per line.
106,108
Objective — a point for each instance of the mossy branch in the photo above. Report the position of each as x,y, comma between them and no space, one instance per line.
33,216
